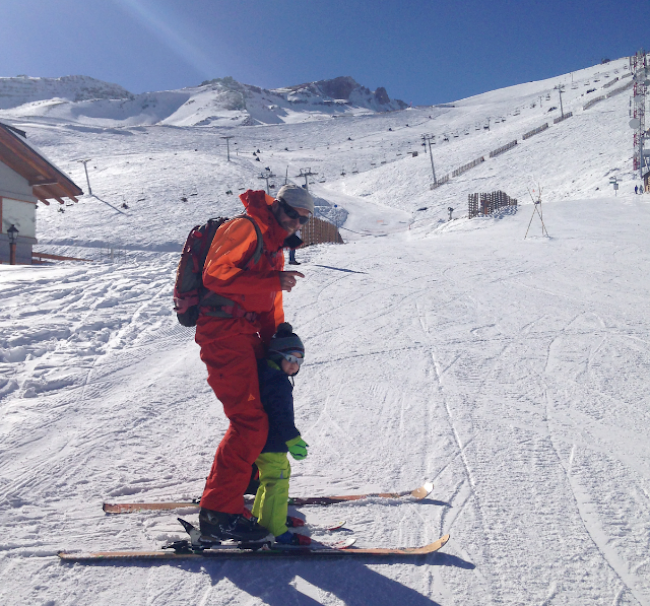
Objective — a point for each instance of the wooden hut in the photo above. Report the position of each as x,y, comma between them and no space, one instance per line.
26,177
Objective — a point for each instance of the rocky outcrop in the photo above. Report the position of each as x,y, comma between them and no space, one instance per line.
342,89
382,96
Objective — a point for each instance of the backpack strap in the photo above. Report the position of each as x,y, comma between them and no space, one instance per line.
259,248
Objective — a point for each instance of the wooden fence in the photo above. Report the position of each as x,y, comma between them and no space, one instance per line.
535,131
463,169
38,258
440,182
610,83
503,148
486,204
620,89
318,231
593,102
562,118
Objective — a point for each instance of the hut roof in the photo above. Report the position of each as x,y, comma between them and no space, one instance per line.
47,181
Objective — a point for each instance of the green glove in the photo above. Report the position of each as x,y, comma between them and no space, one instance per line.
297,448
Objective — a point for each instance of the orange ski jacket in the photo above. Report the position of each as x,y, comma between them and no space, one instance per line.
256,289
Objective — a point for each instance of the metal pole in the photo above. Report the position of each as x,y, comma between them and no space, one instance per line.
561,107
228,146
85,162
433,168
12,253
427,139
266,175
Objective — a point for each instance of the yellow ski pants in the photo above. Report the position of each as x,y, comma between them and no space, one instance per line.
271,501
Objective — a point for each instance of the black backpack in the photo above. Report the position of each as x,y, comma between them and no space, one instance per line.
191,298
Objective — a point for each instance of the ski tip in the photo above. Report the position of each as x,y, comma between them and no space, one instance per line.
347,543
344,544
424,491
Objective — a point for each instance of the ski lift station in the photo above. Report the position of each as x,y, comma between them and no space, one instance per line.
26,177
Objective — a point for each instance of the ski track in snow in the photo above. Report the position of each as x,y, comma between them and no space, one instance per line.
511,373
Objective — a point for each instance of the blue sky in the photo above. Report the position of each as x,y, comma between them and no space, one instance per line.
423,52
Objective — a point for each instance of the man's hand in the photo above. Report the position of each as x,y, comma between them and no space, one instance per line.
288,279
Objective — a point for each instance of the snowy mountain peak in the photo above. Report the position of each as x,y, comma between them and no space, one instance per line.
221,101
19,90
347,89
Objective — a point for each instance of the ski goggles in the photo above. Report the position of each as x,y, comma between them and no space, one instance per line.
292,213
291,358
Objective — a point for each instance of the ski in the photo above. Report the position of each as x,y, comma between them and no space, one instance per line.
298,523
341,550
417,495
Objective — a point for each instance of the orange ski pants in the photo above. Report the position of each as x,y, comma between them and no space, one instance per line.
232,374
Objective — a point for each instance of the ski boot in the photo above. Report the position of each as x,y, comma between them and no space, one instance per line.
224,526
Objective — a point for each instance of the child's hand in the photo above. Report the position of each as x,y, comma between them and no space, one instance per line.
298,448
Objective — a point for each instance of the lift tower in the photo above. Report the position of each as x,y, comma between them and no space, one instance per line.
640,73
306,173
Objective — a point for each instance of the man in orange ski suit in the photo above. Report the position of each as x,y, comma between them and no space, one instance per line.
231,346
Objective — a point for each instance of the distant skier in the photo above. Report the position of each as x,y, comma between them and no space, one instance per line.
292,252
636,189
285,355
233,336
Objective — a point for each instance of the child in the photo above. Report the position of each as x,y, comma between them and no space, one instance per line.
285,355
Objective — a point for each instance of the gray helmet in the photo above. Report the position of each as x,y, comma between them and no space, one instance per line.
285,341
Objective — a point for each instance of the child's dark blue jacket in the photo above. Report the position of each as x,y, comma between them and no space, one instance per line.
276,393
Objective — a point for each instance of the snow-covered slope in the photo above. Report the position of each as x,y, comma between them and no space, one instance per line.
511,372
219,102
20,90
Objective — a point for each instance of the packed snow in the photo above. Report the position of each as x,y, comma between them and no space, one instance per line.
511,372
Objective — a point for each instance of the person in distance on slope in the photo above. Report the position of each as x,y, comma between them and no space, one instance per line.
233,339
292,252
285,355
